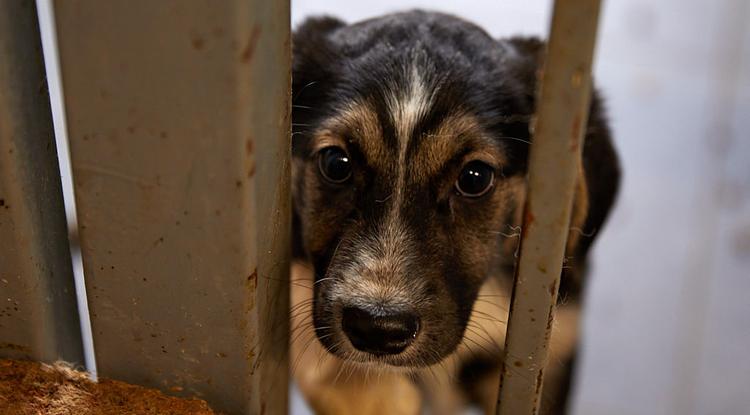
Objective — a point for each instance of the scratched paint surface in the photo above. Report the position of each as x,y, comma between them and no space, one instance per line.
178,125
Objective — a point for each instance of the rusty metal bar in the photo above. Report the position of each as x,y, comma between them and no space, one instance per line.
554,162
178,118
38,315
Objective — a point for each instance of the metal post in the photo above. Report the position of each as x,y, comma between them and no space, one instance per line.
38,315
178,116
554,162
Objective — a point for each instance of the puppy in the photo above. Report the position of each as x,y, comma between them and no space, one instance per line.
411,135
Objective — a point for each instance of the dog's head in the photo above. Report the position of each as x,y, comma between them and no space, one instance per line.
410,139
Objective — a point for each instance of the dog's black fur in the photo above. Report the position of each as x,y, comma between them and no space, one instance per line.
467,72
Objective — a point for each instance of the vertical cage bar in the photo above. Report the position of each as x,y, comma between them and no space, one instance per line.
554,161
38,315
178,117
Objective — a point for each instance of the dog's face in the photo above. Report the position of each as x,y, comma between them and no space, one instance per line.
410,145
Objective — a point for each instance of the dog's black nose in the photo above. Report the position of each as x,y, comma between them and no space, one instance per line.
379,333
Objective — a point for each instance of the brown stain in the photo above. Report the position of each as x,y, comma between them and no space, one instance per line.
518,363
250,149
197,42
252,42
252,279
528,217
15,347
538,383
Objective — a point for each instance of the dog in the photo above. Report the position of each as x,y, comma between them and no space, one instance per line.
410,139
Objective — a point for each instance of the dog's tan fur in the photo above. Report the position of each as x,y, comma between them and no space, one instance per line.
333,387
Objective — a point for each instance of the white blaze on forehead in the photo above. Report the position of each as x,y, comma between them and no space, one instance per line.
408,105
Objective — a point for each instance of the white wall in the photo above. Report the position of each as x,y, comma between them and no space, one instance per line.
667,327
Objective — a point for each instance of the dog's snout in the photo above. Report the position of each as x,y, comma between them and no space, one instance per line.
379,333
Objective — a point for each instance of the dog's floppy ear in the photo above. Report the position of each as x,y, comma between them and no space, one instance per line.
599,172
313,61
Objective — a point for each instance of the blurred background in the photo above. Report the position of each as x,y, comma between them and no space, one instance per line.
667,321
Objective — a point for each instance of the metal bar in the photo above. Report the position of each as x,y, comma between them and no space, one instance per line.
178,116
38,315
554,163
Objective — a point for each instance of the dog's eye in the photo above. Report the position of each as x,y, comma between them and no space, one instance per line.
476,179
334,164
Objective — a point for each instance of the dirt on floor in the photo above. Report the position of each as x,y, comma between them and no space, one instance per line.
36,388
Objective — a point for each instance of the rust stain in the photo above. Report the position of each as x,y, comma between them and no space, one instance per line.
197,42
528,218
538,383
249,146
252,279
15,347
553,288
249,50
